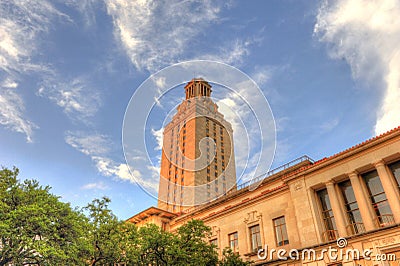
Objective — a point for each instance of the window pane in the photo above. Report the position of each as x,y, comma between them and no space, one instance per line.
255,237
373,182
327,213
376,193
280,231
353,213
233,241
395,168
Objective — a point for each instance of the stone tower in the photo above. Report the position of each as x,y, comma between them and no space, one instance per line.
197,163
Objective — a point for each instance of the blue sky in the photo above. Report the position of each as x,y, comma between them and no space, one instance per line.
330,72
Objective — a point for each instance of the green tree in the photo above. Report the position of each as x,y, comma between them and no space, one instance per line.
230,258
109,241
155,246
35,227
188,246
193,247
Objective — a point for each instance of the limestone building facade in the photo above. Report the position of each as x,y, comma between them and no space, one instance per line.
307,205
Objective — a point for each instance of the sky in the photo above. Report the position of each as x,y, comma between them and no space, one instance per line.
330,71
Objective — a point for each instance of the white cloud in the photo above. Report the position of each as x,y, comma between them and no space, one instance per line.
97,185
156,33
249,144
262,75
77,98
12,110
329,125
89,144
158,135
231,53
109,167
366,33
87,9
160,82
21,24
97,146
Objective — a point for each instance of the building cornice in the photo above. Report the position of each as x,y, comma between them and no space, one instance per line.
345,154
151,211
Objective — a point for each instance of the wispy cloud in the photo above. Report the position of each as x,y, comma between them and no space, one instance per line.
158,135
21,25
367,35
97,146
96,186
232,52
157,33
12,110
89,144
87,8
329,125
78,99
250,143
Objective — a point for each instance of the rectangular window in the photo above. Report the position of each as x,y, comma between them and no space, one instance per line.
163,226
353,213
378,198
255,238
234,241
327,216
395,168
214,242
281,234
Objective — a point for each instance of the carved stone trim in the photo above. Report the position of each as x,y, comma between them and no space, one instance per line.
252,217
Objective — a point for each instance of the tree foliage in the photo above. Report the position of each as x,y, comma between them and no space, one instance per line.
36,228
107,239
230,258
